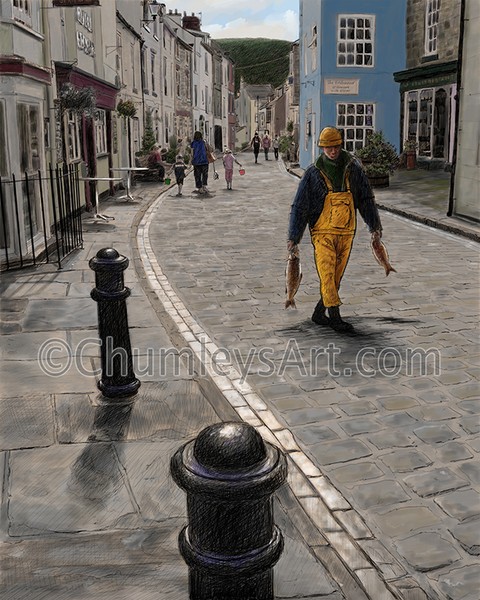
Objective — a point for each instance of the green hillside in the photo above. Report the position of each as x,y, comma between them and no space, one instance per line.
258,60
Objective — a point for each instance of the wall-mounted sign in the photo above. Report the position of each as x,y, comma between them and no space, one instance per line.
340,86
84,19
83,43
76,2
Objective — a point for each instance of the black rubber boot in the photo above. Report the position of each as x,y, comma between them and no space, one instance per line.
335,320
319,316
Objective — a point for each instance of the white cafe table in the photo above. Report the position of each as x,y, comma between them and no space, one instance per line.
97,215
128,171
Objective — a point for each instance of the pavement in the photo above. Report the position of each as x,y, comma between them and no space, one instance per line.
380,429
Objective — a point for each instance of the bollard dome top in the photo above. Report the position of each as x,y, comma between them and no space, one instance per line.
228,446
108,253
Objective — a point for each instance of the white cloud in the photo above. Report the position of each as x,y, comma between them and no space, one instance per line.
223,7
281,27
276,19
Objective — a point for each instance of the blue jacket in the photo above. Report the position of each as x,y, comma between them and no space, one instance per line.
310,198
199,156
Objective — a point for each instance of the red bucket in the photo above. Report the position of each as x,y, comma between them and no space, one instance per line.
241,171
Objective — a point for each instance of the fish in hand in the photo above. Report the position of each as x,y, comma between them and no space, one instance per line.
293,276
381,255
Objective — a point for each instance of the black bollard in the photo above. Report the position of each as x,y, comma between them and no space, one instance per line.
230,543
118,379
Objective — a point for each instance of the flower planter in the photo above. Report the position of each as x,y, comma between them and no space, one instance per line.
411,160
379,180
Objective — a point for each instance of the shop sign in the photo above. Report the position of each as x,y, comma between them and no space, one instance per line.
341,86
427,82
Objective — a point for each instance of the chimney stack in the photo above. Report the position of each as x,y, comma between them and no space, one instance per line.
191,22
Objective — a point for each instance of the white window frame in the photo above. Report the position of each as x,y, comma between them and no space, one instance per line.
3,140
305,55
22,11
178,86
423,121
432,14
101,131
353,40
30,146
313,49
358,117
153,63
74,123
133,67
165,76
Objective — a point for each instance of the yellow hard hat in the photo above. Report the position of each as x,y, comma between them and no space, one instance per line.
329,136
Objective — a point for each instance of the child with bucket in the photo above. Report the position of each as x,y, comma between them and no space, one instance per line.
228,162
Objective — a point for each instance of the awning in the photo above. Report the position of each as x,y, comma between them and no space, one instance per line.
106,92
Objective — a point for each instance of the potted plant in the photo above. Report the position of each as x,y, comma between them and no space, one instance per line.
410,147
379,159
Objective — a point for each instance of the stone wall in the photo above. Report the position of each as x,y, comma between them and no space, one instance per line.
448,32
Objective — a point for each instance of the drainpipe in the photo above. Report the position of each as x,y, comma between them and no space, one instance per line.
142,83
50,108
457,108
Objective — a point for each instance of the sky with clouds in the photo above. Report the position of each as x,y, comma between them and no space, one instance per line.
277,19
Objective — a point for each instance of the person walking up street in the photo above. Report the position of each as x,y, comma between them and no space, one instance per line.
228,161
255,144
328,196
179,169
200,162
266,143
275,145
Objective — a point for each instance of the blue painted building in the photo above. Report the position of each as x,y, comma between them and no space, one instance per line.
349,50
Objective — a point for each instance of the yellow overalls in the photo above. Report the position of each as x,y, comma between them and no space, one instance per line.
332,238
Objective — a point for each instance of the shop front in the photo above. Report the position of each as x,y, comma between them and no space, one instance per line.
87,139
428,96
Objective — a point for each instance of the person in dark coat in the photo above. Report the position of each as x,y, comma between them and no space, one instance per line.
327,199
200,162
255,144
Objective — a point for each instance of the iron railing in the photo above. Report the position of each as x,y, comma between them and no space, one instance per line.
40,216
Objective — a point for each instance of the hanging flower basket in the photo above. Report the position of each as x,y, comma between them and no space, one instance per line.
126,108
79,100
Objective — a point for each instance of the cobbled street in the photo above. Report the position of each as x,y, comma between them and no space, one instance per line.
389,415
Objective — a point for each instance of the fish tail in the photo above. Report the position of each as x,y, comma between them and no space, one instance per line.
389,269
289,303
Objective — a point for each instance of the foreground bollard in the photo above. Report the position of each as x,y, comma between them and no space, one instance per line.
230,542
118,379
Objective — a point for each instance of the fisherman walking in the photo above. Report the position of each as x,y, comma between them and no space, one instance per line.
328,196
